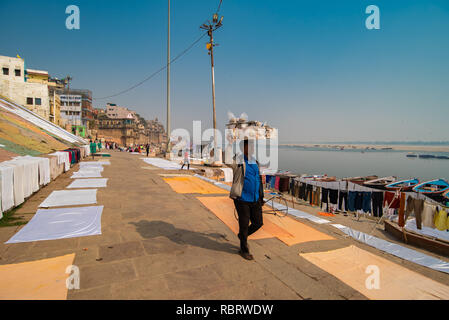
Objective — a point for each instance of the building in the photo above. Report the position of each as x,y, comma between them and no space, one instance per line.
87,111
126,127
115,112
156,132
71,110
54,86
14,85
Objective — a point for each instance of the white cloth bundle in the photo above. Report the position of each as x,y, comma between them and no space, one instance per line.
228,174
7,186
63,157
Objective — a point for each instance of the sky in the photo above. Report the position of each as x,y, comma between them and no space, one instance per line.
309,68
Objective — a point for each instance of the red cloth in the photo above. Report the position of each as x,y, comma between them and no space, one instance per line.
70,156
276,182
388,197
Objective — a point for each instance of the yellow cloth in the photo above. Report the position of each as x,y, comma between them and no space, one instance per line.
286,229
355,267
191,184
441,220
35,280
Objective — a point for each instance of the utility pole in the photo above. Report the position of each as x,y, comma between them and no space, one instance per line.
211,27
168,80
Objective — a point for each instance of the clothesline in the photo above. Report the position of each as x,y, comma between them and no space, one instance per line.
24,175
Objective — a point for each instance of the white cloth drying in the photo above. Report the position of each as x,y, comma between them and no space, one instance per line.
62,198
60,223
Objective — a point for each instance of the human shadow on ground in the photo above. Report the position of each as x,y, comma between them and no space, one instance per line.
152,229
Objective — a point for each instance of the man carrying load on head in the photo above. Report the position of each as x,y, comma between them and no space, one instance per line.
247,193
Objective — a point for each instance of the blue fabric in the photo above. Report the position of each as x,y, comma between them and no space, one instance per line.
366,202
351,200
272,182
251,183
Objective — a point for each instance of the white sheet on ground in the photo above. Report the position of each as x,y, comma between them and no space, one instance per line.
62,198
51,224
430,232
88,183
395,249
162,163
86,174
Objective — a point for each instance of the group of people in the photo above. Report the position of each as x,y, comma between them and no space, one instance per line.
139,148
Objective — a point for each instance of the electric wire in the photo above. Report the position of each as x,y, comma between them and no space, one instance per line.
156,72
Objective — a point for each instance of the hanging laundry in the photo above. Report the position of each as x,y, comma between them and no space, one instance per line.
441,220
351,200
391,200
401,212
416,206
377,199
428,215
366,202
7,186
343,198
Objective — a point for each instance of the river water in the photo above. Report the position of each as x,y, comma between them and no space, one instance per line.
351,163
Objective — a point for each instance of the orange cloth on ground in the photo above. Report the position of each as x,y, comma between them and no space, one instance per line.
326,214
36,280
193,185
286,229
352,266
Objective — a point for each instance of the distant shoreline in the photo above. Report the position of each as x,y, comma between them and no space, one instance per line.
386,147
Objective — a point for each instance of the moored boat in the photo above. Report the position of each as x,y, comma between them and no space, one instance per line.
403,185
379,183
436,186
426,156
360,180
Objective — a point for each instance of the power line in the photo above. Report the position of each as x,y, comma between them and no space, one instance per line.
156,72
219,6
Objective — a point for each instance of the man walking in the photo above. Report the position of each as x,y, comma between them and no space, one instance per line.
186,160
148,149
247,192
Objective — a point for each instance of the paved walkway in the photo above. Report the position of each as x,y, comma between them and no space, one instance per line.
159,244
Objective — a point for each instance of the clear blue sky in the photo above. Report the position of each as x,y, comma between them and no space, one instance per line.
309,68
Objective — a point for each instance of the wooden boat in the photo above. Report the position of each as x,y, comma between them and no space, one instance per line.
437,186
327,179
427,156
438,246
403,185
360,180
379,183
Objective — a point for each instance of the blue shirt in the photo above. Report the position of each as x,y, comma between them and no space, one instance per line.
251,183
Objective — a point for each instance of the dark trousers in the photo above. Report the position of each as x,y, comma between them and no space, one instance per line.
378,198
325,198
343,196
188,166
309,190
248,212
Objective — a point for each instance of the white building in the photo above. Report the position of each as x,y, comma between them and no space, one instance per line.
115,112
13,85
71,109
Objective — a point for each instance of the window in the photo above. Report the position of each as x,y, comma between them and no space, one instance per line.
29,100
5,71
38,101
17,71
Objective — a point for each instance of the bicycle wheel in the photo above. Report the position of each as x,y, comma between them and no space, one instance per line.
282,212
